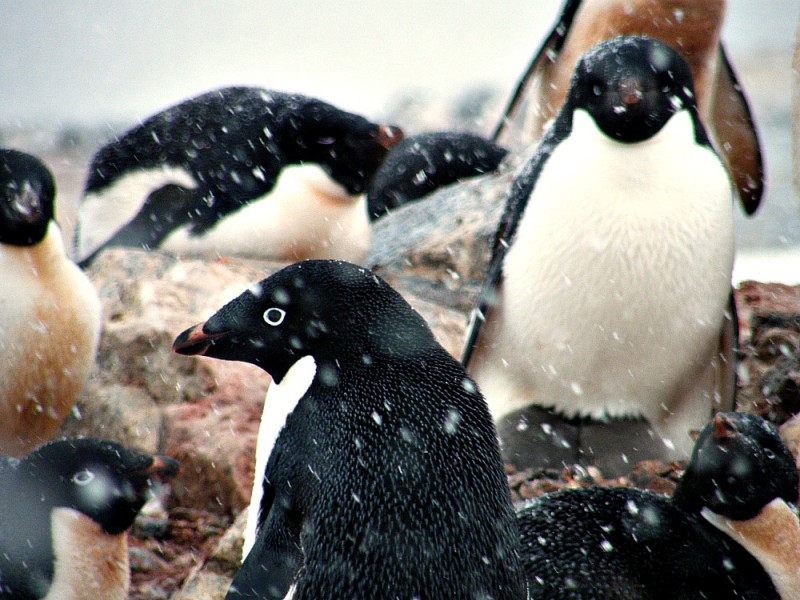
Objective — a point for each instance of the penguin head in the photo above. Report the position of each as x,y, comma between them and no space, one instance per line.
334,311
27,198
101,479
349,147
738,466
631,86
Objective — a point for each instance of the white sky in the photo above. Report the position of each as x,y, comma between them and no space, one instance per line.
89,60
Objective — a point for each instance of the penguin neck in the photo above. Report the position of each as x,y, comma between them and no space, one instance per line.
773,538
89,563
43,257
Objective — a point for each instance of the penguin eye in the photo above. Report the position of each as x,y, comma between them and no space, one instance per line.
83,477
274,316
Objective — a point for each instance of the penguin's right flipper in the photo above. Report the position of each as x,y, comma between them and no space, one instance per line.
516,201
271,566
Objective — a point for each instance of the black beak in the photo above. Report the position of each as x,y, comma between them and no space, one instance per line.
195,341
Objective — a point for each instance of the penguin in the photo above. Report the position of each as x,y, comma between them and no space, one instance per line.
606,327
420,164
688,26
49,310
238,170
382,473
66,510
636,544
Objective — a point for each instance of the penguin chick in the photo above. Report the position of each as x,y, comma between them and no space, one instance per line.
634,544
377,471
209,176
605,331
49,311
420,164
64,518
693,28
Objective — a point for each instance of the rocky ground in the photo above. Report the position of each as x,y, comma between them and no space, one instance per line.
205,413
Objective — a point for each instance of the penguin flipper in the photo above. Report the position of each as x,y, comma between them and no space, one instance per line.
516,201
164,209
511,125
272,564
728,353
735,135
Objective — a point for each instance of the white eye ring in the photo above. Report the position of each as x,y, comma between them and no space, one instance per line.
83,477
274,316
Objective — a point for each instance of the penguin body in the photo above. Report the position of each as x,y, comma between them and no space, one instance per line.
382,470
690,27
175,180
627,543
66,510
49,311
420,164
607,292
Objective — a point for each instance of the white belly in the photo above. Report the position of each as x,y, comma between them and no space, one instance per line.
302,217
615,288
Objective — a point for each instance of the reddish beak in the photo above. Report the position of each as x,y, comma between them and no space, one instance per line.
195,341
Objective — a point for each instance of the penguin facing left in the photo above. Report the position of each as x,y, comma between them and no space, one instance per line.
422,163
64,518
241,171
378,471
730,529
49,310
605,331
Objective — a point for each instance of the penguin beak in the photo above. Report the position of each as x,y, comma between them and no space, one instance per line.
388,136
163,466
195,341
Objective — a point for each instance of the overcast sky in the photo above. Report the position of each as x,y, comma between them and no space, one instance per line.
90,60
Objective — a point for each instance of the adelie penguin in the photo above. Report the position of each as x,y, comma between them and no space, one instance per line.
692,27
66,510
236,171
730,529
49,311
420,164
605,330
378,472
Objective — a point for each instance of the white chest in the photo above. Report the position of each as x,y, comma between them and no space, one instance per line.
281,400
89,562
620,269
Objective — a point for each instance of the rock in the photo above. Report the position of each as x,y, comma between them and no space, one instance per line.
212,579
438,248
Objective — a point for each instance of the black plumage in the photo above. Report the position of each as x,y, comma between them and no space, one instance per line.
386,479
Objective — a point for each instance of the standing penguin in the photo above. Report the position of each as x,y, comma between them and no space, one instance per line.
64,518
420,164
377,472
692,27
605,332
49,311
201,178
730,529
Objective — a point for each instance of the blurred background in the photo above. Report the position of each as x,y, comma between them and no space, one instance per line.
74,73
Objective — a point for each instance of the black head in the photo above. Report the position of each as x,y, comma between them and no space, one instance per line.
738,466
102,479
27,198
334,311
349,147
631,86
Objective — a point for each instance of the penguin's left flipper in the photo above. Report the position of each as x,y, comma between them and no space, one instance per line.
541,66
273,561
735,136
515,204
